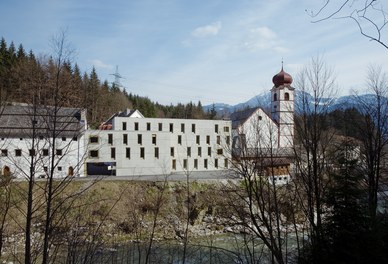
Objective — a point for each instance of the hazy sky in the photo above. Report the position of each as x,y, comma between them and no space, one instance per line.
224,51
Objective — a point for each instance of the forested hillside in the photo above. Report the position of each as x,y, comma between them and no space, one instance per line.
22,71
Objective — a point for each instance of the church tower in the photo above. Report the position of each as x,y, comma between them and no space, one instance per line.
282,108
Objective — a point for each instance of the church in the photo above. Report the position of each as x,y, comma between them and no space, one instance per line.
267,137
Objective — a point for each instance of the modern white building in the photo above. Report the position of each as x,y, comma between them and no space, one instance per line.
130,145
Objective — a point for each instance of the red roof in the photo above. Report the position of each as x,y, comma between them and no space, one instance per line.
282,78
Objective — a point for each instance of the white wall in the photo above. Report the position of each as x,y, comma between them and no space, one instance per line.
165,140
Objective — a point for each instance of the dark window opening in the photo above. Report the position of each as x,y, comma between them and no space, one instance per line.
142,153
18,152
113,153
93,153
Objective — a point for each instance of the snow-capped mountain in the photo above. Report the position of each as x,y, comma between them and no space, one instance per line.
302,99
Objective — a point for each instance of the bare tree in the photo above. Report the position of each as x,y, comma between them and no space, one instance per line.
369,16
316,83
374,133
51,134
259,204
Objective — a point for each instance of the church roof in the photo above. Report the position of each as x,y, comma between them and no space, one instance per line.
282,78
240,117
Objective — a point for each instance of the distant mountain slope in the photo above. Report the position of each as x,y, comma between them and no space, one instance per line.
264,101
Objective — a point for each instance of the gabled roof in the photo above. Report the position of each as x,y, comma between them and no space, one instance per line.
18,120
240,117
134,113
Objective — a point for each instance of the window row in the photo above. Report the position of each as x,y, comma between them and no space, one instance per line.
94,139
95,153
136,127
31,152
198,140
185,164
75,138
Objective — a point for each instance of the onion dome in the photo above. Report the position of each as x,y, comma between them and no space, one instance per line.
282,78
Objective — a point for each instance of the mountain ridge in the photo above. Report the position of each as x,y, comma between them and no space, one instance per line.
264,101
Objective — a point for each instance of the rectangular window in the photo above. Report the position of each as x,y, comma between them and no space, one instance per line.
125,139
183,128
208,140
139,139
220,151
227,140
63,138
45,169
148,126
185,164
226,129
216,128
179,139
193,128
45,152
154,139
172,152
199,151
156,152
110,139
4,152
171,127
142,153
136,126
75,138
124,125
128,153
59,168
188,151
113,153
197,139
32,152
209,151
18,152
216,163
160,126
58,152
174,164
195,164
218,140
93,139
93,154
205,163
226,163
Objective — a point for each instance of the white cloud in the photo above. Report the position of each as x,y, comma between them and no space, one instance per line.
208,30
263,38
264,32
100,64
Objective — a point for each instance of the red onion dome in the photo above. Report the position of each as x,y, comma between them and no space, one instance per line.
282,78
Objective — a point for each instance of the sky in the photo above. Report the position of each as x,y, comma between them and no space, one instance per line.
177,51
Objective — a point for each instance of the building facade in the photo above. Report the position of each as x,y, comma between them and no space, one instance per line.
133,145
38,140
